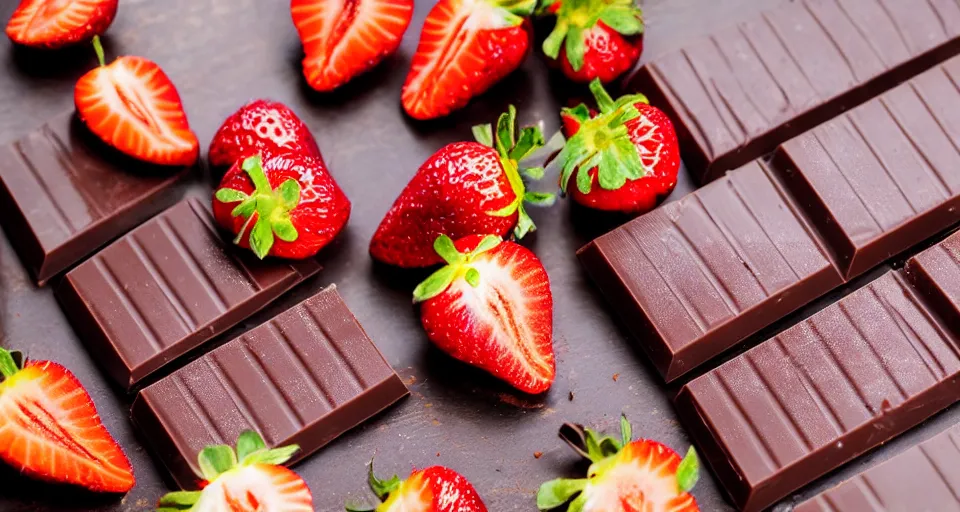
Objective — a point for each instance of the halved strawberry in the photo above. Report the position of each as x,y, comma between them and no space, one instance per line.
595,39
57,23
626,475
344,38
466,46
50,430
623,158
435,489
261,127
249,479
491,307
132,106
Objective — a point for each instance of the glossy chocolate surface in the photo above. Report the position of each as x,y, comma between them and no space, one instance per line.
744,89
63,194
925,477
167,287
303,377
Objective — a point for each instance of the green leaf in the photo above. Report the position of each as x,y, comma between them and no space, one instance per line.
592,443
688,472
435,284
505,131
253,167
180,500
575,47
261,238
359,507
521,8
8,364
506,211
584,181
284,229
484,134
533,173
215,460
229,195
290,193
554,493
382,487
609,446
609,174
473,277
626,430
578,504
540,198
570,156
531,139
524,225
581,112
248,442
604,101
623,19
553,42
445,247
275,457
486,243
245,209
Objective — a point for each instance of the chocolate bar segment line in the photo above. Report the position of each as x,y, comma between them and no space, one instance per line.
305,377
924,477
740,92
167,287
64,194
830,388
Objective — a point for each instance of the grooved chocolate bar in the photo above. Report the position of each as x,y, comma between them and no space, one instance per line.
167,287
740,92
710,269
853,192
840,383
64,194
304,377
925,477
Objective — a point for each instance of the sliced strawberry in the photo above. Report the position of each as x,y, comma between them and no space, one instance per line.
261,127
491,307
287,206
466,46
344,38
595,39
626,476
249,479
132,106
50,430
57,23
435,489
623,158
465,188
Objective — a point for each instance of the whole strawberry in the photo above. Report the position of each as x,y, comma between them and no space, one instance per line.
261,127
491,307
595,39
466,46
132,106
342,39
50,430
626,475
435,489
465,188
249,479
286,206
55,24
623,158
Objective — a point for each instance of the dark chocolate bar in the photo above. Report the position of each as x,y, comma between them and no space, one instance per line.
63,195
923,478
830,388
694,277
165,288
304,377
853,192
740,92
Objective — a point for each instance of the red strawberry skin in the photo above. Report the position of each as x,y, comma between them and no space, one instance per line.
462,52
261,127
132,106
607,56
50,430
322,212
451,194
505,324
345,38
54,24
654,136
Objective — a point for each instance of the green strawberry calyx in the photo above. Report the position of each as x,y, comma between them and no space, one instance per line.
458,265
576,17
268,208
217,460
382,488
513,147
11,362
512,12
602,451
602,142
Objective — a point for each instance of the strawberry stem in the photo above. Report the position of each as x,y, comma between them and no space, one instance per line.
458,265
98,49
576,17
8,363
